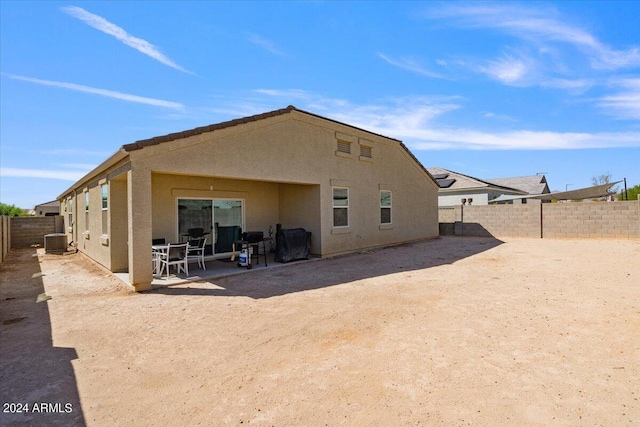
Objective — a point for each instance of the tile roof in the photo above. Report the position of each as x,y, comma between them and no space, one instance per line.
466,182
138,145
533,184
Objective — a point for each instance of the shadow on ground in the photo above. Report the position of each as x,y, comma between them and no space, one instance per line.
32,371
334,271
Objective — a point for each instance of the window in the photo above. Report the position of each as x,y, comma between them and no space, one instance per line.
105,205
86,210
365,151
340,207
385,207
70,210
344,147
221,220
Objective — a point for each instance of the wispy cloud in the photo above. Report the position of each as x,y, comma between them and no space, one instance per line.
573,85
75,152
508,69
417,121
267,45
40,173
409,65
101,24
538,25
102,92
623,104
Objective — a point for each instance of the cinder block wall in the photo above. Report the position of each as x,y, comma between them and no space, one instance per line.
591,220
27,231
600,220
502,220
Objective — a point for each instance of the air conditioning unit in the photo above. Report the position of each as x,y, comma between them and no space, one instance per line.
55,243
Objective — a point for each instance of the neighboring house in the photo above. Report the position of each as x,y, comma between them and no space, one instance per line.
47,209
352,189
533,185
455,187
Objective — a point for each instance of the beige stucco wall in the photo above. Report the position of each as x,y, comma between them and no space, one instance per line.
300,208
283,168
118,226
297,148
261,201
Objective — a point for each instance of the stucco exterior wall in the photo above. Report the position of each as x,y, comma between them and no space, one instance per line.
300,208
261,201
296,148
479,197
283,167
118,227
89,234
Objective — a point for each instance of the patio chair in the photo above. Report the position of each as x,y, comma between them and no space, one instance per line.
196,251
176,255
195,233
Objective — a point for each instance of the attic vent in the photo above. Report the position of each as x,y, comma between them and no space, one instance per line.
344,147
365,151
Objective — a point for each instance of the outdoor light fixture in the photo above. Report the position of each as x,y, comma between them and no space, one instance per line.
470,200
464,201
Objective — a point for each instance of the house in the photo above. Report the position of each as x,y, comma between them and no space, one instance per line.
352,189
47,209
455,187
532,185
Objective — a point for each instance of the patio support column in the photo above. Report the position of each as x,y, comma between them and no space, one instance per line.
139,224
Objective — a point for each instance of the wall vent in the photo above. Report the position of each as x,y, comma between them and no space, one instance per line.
344,147
365,151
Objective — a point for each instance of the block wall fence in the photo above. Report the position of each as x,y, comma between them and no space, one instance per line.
23,232
584,220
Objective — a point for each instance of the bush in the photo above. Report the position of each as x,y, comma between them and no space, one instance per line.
12,210
633,193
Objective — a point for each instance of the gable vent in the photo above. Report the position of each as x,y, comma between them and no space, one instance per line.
365,151
344,147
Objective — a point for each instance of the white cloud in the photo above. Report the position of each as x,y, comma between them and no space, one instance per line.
120,34
102,92
624,104
410,65
75,152
574,85
40,173
416,121
508,70
433,139
537,26
267,45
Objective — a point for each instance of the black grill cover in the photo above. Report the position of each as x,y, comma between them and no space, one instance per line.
253,236
292,244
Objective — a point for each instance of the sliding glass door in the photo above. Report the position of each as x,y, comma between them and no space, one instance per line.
221,220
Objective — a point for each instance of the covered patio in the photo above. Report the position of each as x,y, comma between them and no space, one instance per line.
216,268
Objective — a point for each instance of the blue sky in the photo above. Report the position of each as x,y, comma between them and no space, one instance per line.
486,89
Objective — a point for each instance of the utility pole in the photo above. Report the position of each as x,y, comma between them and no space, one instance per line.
626,195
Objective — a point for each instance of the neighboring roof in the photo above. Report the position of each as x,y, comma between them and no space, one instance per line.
53,203
533,184
444,178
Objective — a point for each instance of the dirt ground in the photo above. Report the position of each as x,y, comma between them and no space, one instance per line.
454,331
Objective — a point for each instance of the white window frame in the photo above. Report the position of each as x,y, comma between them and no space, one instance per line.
70,212
86,210
104,200
333,202
389,207
213,200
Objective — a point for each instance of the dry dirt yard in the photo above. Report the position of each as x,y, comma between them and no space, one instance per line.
454,331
